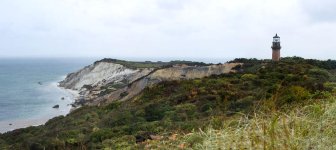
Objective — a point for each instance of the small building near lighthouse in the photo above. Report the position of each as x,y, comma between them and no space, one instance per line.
276,48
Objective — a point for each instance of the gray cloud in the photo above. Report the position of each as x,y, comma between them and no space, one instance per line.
172,4
157,28
320,10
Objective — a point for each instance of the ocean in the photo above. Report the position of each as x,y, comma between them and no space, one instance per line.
28,90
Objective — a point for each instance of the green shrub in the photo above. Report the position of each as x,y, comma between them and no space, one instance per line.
113,105
249,77
293,94
321,74
101,134
118,118
330,85
245,103
194,139
124,142
188,109
155,112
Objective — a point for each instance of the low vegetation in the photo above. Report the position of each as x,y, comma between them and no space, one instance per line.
265,105
308,127
150,64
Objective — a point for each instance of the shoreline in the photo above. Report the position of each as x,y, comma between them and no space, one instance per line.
70,97
74,96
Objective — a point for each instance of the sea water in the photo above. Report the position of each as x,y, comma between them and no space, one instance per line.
29,89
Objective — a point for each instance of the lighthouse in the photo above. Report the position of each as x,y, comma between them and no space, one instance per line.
276,48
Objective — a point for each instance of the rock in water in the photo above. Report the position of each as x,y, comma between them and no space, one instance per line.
62,98
56,106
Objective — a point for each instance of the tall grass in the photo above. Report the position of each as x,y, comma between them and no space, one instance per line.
309,127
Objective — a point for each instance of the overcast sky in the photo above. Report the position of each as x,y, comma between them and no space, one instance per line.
166,28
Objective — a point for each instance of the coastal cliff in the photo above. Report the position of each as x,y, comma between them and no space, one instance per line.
101,73
109,79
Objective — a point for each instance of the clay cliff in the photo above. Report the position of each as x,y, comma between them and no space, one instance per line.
107,81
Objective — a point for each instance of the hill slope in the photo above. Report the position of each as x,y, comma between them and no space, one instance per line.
183,106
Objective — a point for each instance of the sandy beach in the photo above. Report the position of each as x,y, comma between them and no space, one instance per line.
65,107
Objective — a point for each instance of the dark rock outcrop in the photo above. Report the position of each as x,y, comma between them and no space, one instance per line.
56,106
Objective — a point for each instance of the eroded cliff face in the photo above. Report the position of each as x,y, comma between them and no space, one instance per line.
177,72
104,82
101,73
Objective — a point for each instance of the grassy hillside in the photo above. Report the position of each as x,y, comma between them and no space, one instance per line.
264,105
309,127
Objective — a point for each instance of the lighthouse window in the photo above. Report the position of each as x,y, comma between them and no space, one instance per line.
276,40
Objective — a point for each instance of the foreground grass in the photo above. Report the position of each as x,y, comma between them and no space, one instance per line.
308,127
